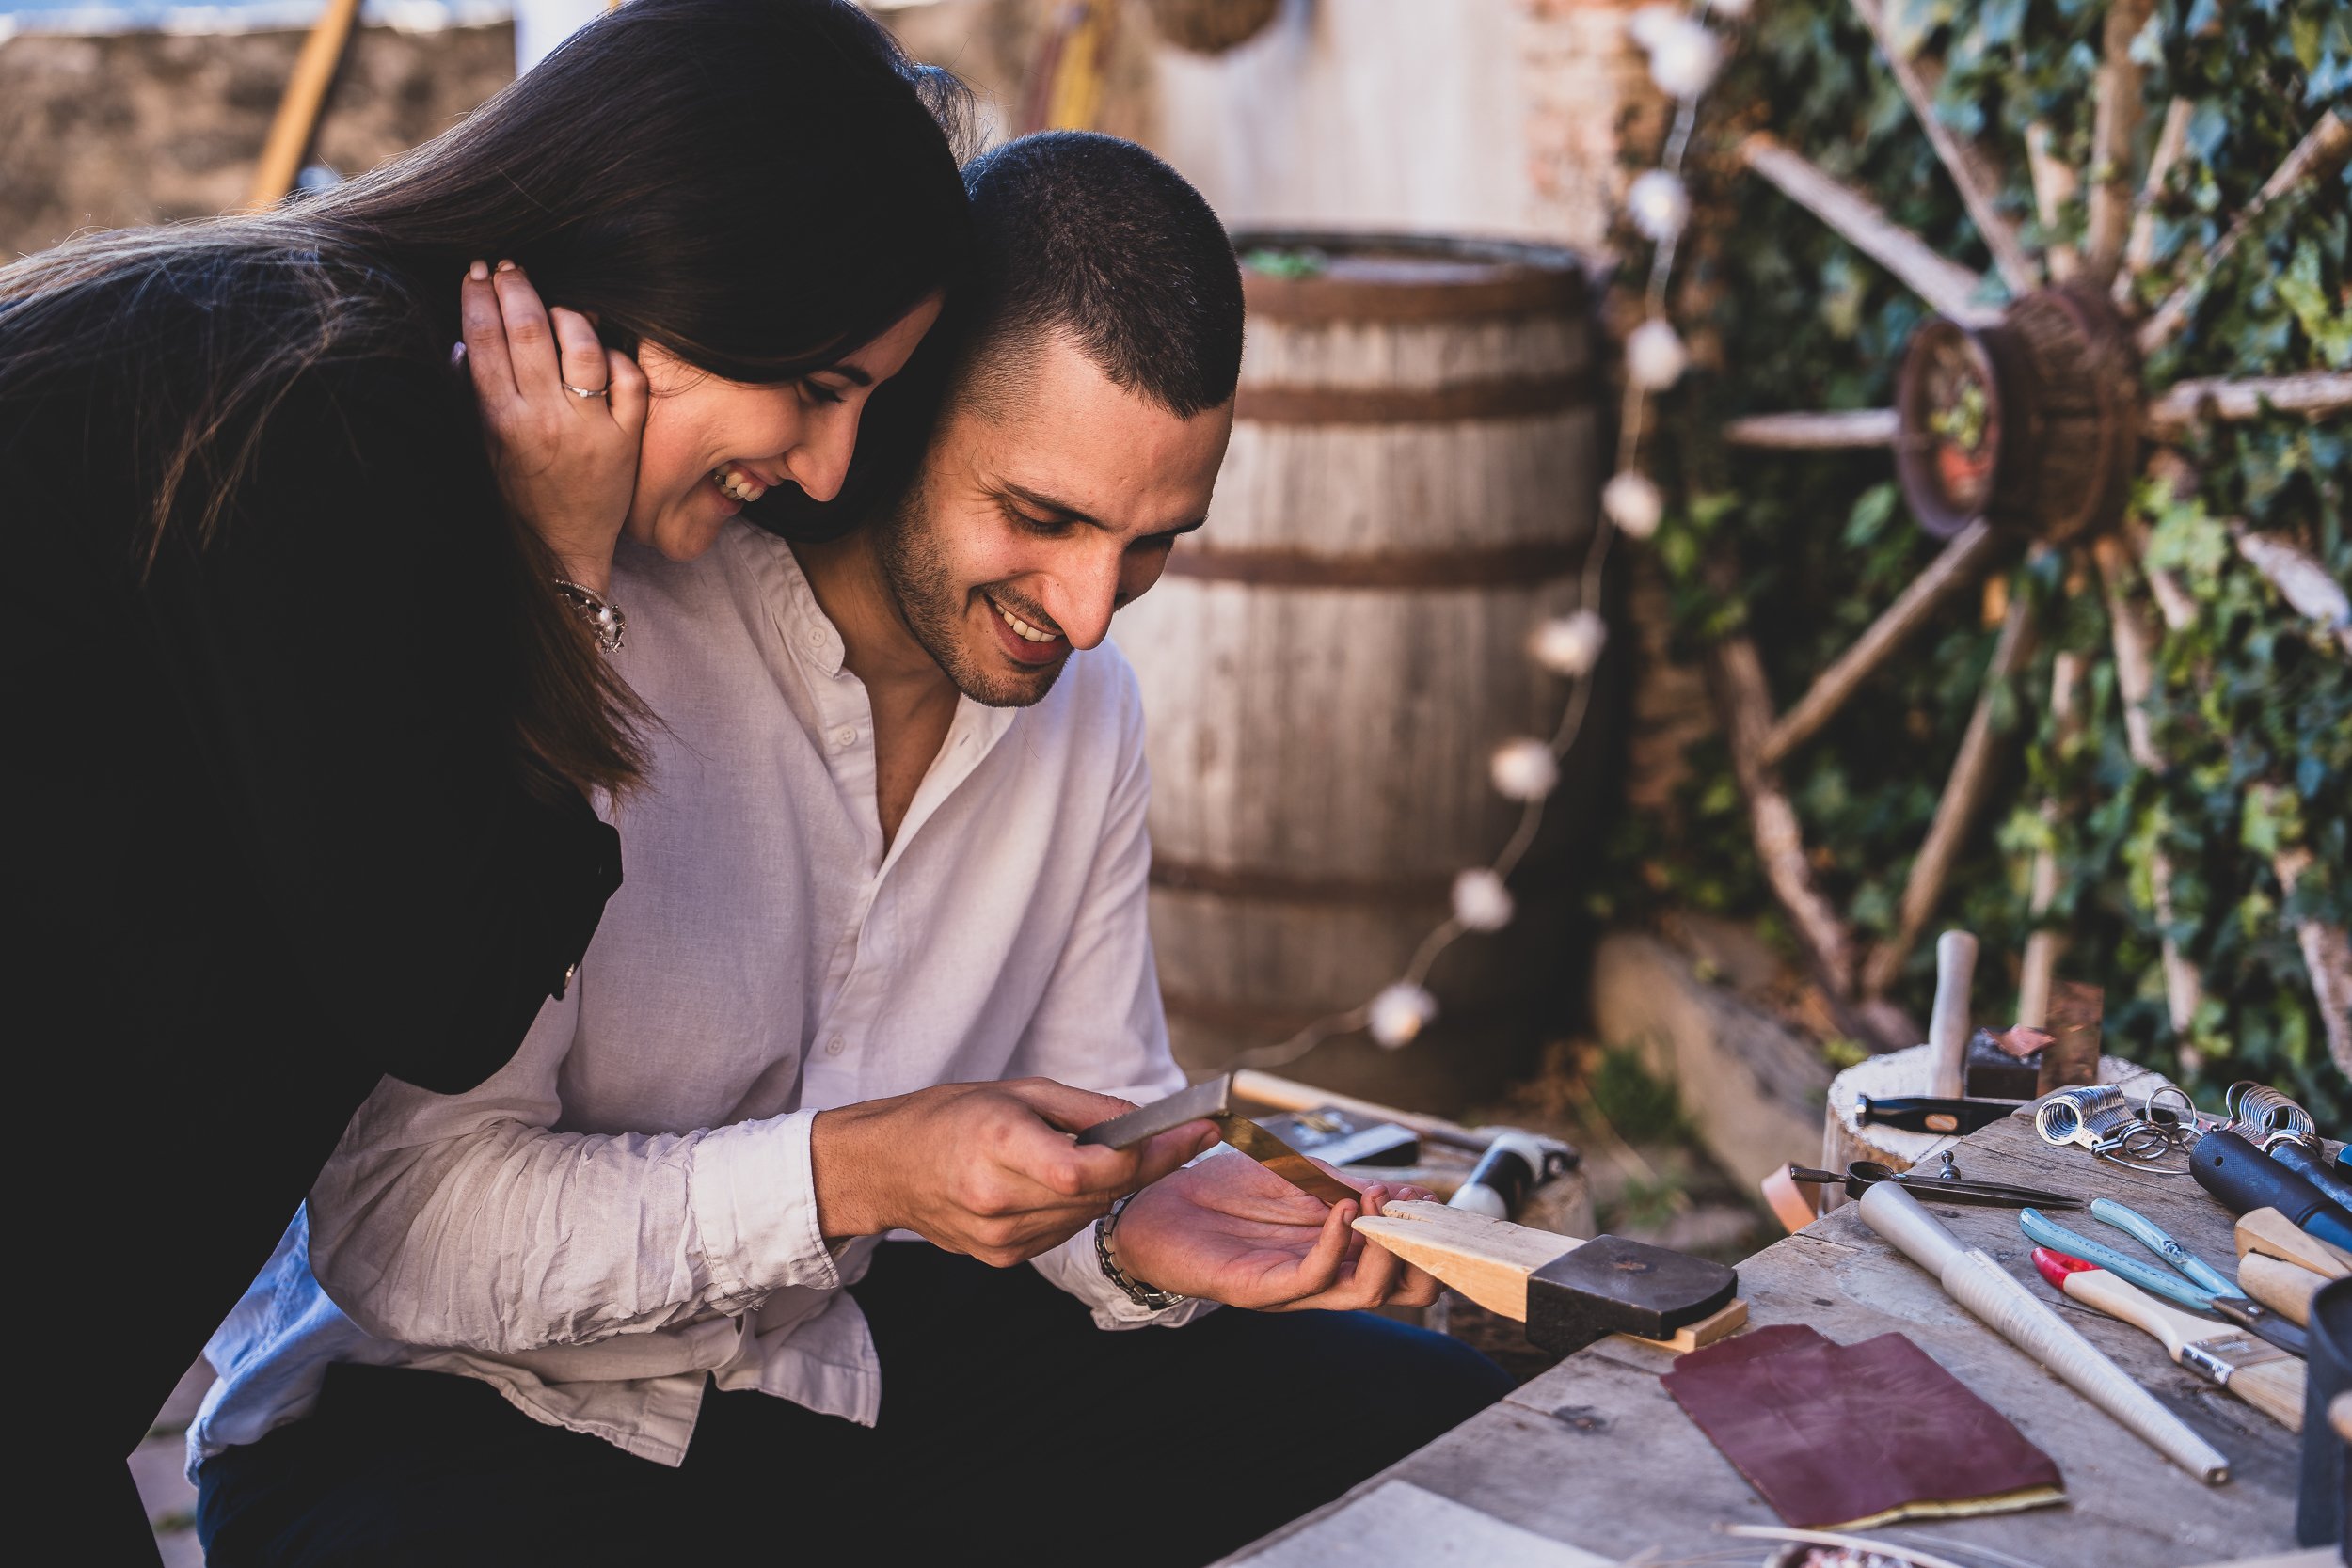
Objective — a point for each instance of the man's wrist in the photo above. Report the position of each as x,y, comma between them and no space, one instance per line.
845,1205
1143,1295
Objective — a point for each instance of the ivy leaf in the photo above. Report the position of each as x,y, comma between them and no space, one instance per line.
2329,330
1869,516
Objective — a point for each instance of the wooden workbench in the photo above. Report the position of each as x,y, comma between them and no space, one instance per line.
1595,1454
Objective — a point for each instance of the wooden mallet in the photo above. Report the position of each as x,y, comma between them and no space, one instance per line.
1566,1292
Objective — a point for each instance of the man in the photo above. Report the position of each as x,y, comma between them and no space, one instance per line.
893,856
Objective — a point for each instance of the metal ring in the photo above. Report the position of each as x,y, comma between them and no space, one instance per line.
584,392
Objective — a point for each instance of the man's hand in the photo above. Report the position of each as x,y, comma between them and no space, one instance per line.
988,1169
565,464
1231,1230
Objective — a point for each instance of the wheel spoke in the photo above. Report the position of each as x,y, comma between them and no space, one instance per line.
2316,157
1737,675
1947,286
2040,967
2300,577
2328,955
2186,403
1964,796
2054,186
1972,173
2134,643
1962,561
2115,120
2139,253
1823,432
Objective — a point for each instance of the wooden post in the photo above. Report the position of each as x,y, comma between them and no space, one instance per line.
305,100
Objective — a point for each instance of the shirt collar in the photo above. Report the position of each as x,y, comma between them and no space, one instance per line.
811,640
808,633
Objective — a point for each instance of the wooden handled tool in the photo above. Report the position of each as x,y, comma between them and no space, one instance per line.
1947,1024
2286,1288
2224,1354
2006,1308
2271,1234
1567,1292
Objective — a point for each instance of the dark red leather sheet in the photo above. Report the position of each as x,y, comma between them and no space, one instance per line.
1842,1435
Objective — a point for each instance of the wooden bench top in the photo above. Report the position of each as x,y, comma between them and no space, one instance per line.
1596,1456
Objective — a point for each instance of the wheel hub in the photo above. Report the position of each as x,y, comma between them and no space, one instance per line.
2030,424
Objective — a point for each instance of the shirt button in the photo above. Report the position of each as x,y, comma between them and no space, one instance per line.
844,735
834,1046
816,637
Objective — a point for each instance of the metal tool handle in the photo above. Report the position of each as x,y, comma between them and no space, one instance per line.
2150,1235
2045,1231
1947,1024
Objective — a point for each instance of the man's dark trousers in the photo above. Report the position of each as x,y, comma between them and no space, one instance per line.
1012,1430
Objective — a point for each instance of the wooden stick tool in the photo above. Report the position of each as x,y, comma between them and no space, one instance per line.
1983,1287
1566,1292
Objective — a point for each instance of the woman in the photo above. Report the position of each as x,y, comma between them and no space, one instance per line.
309,722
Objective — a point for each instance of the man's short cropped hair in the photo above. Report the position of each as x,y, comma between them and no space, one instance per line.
1093,237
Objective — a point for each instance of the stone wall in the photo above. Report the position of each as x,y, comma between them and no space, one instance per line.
132,127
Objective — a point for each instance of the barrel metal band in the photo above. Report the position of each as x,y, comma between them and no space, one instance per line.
1258,884
1490,566
1503,397
1271,1020
1292,887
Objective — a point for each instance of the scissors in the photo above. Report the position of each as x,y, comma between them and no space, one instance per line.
2191,1281
1863,1174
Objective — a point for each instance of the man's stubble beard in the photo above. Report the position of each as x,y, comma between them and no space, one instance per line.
922,585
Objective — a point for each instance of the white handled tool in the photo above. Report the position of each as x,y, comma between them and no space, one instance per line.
1983,1287
1947,1024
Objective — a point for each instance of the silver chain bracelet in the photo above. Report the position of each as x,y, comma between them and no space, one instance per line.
1137,1291
604,618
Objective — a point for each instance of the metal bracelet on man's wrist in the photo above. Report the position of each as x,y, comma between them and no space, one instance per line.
1136,1290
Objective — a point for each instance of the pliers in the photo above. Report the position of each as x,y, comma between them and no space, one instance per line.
2205,1288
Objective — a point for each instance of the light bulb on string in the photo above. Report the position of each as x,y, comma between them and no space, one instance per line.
1569,644
1685,59
1481,902
1659,205
1650,24
1524,769
1654,356
1634,503
1400,1013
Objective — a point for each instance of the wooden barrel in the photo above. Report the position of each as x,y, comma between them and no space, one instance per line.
1328,665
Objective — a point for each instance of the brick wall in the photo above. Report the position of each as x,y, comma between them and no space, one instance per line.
135,128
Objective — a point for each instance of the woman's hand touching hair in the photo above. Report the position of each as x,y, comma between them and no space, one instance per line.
564,415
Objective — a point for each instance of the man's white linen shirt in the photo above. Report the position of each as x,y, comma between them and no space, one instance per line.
628,1205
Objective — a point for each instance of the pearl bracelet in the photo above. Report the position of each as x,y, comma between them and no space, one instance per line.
603,616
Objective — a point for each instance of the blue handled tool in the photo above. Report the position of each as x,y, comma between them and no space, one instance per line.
2198,1284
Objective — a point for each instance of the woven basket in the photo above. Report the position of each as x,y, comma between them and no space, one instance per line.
1211,26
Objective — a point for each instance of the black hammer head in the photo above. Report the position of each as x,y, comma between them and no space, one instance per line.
1614,1286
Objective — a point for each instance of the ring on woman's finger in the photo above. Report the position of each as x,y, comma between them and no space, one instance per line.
585,391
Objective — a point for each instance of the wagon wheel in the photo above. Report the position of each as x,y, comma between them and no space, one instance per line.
2022,424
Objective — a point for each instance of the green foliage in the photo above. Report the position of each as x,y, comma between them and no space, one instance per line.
2254,709
1638,1105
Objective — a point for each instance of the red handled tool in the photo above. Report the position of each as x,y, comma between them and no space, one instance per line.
2263,1375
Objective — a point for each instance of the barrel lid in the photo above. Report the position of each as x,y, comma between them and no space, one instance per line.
1345,276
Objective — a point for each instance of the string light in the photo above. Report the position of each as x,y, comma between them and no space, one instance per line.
1571,645
1634,503
1481,902
1685,56
1658,204
1401,1012
1654,356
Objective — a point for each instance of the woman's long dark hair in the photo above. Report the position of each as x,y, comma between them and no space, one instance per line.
758,186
